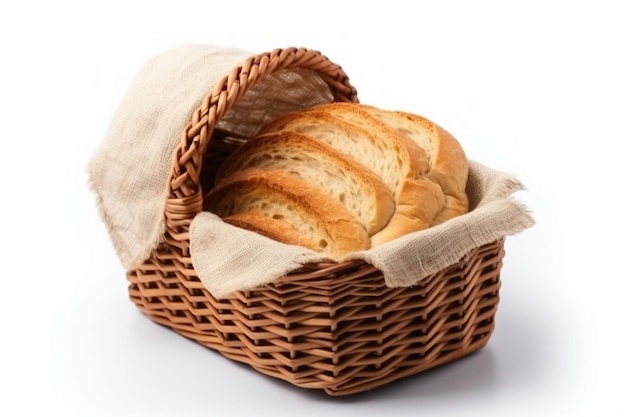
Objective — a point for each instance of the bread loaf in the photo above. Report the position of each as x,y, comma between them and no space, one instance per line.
276,202
342,177
349,130
346,180
399,161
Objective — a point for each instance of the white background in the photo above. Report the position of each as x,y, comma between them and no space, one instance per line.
532,88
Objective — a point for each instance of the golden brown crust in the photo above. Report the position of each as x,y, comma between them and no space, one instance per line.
453,207
310,159
448,162
361,137
408,151
421,201
351,124
257,222
449,166
306,208
351,183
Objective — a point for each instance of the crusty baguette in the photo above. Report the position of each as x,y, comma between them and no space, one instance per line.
316,217
349,182
448,165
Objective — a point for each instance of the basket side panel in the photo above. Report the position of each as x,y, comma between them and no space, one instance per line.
392,334
339,329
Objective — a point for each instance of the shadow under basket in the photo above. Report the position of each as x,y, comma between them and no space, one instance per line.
335,326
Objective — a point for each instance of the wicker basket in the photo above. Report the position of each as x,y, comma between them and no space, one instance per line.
335,326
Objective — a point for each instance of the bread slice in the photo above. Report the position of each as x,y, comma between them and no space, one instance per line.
274,195
362,137
448,165
349,182
395,158
276,229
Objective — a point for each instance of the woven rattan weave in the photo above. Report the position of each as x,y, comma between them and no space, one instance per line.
335,327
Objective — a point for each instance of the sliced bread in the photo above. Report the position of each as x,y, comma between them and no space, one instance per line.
349,182
365,139
396,159
318,219
274,228
448,165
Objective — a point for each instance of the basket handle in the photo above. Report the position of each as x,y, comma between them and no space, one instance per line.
185,198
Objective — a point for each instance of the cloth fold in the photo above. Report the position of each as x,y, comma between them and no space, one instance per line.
130,171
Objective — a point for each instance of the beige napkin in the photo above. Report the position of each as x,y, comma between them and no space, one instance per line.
130,171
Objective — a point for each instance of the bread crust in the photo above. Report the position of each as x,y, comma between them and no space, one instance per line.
366,140
448,165
402,174
256,221
339,124
307,209
348,181
420,202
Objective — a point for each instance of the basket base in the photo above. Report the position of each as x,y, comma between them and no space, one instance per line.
339,328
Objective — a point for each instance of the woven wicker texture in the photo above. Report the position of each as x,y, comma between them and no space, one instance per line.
335,327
